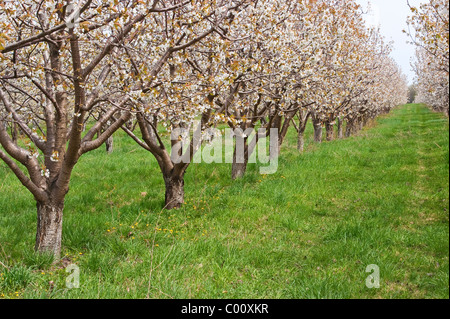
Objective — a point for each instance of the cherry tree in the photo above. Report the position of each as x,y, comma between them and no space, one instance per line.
185,89
60,68
428,28
358,75
271,59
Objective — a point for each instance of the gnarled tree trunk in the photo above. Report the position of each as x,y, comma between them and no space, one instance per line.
174,191
49,228
318,132
330,131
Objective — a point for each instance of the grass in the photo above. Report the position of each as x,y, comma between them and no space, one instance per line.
308,231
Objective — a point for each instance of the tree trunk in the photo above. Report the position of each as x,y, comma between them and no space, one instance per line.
109,144
174,191
49,228
355,126
330,131
238,170
349,128
317,132
340,129
365,120
301,140
240,159
14,132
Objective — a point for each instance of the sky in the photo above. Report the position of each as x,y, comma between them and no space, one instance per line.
390,16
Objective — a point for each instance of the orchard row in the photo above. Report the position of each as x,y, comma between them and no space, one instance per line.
73,73
428,28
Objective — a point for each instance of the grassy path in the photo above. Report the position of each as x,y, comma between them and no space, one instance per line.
308,231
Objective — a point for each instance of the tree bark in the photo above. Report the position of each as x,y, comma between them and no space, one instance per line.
330,131
349,128
361,124
109,144
318,132
340,128
14,132
238,170
49,228
365,120
240,157
239,166
174,191
303,120
355,127
301,141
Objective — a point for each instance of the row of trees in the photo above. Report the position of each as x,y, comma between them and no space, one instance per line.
429,31
72,73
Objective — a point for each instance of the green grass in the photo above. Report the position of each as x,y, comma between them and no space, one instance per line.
308,231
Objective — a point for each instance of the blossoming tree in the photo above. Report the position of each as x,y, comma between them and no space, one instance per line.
61,68
429,31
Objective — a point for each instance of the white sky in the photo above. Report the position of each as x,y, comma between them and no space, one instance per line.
391,16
